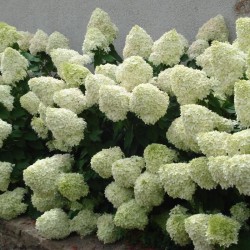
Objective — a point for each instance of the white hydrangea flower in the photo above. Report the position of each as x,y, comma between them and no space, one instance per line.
38,42
198,119
45,87
8,36
149,103
156,155
6,98
44,203
30,102
200,174
6,130
236,170
102,161
117,195
39,127
133,71
164,80
72,186
217,166
65,126
242,32
53,224
131,215
42,111
126,171
174,177
60,56
196,227
168,49
214,29
240,212
189,85
24,40
74,74
175,225
108,70
213,62
72,99
114,102
84,223
138,43
11,204
177,135
42,175
107,232
93,84
13,66
94,40
57,40
197,48
213,143
242,102
5,170
222,230
101,21
148,190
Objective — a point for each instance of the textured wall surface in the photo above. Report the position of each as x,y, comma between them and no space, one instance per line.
70,17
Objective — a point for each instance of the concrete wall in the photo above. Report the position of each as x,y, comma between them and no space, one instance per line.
70,17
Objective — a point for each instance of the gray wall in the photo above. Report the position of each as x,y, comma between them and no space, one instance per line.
70,17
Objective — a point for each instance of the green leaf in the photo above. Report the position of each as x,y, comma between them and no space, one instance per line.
30,57
30,136
95,135
128,138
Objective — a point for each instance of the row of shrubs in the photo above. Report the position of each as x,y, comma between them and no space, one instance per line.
153,147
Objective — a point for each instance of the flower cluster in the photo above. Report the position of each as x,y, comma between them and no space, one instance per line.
6,170
5,129
6,99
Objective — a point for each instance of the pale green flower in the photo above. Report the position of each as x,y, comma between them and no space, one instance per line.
6,98
39,127
38,42
168,49
24,40
107,232
242,32
174,177
148,190
126,171
149,103
102,161
108,70
157,154
72,99
242,102
6,130
197,48
138,43
222,230
131,215
200,174
44,87
74,74
84,223
66,127
117,195
53,224
163,81
196,227
30,102
175,225
133,71
41,176
46,202
72,186
114,102
11,204
8,36
214,29
5,170
57,40
240,212
13,66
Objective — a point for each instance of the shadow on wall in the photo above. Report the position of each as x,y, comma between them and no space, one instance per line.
242,7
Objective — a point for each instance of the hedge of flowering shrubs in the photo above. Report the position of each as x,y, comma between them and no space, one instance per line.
154,147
